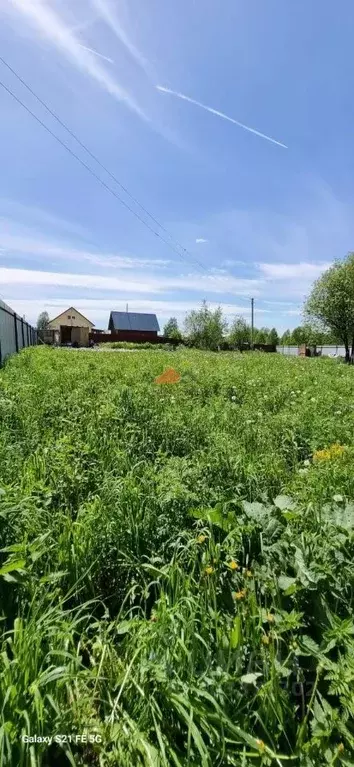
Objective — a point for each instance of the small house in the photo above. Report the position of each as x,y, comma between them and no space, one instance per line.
71,327
133,326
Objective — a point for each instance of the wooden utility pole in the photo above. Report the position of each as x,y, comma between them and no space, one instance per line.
252,321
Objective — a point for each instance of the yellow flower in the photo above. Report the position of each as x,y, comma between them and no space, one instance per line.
249,574
261,745
265,639
201,538
209,570
270,617
340,748
233,565
240,594
334,451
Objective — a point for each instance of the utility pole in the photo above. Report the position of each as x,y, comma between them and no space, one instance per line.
252,321
126,308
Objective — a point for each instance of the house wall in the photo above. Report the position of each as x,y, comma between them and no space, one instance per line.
71,317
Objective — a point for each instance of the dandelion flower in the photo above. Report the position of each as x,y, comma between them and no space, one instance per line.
209,570
233,565
201,538
249,574
334,451
265,639
340,748
261,745
240,594
270,617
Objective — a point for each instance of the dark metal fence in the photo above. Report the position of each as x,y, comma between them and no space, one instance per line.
15,333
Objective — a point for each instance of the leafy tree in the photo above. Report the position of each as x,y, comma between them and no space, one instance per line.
171,329
285,339
273,337
205,328
43,321
331,303
261,336
240,332
300,335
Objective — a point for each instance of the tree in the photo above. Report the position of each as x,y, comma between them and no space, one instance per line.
300,335
43,321
171,329
273,337
331,303
261,336
286,338
240,332
205,328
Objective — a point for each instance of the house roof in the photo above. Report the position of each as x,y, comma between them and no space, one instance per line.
72,309
133,321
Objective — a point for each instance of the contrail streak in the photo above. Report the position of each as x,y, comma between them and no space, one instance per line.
96,53
219,114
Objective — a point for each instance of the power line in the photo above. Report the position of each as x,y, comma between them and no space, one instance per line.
89,169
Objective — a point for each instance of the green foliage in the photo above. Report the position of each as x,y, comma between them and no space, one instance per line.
176,573
43,321
308,334
331,302
134,345
261,336
205,328
273,337
171,329
239,333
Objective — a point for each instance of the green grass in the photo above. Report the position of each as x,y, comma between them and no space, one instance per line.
176,569
136,345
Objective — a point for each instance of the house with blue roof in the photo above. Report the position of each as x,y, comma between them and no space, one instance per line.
130,325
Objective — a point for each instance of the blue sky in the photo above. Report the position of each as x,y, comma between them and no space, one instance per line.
263,220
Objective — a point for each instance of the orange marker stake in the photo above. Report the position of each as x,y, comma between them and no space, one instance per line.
169,376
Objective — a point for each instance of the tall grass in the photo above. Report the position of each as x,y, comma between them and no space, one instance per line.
176,577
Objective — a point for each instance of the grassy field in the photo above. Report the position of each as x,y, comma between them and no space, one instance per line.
176,566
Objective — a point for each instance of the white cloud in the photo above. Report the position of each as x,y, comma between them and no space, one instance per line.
46,21
207,284
31,245
301,271
201,239
109,15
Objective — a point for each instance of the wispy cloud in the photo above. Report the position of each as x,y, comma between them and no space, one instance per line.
28,244
201,239
109,15
219,114
43,18
101,56
197,283
304,271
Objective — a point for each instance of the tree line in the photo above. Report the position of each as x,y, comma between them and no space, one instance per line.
328,314
208,329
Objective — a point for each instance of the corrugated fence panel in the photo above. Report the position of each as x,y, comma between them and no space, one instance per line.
15,333
292,350
7,334
20,340
325,351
